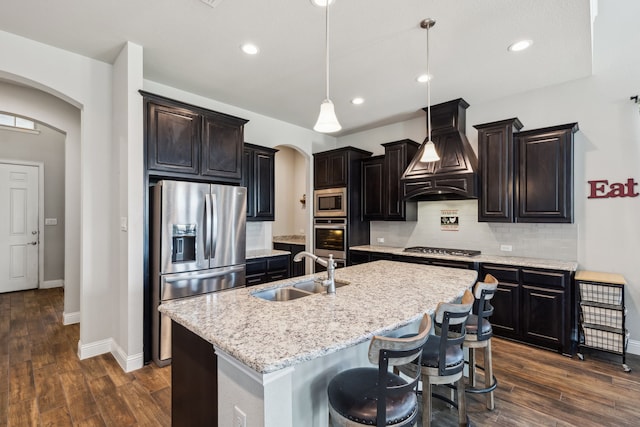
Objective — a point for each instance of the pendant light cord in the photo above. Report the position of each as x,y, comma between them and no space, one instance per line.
428,89
326,47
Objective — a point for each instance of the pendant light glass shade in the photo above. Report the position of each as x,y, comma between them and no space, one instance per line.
429,153
327,120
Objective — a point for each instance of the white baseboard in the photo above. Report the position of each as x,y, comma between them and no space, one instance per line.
633,347
126,362
70,318
48,284
96,348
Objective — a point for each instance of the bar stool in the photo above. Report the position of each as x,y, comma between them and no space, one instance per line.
442,357
479,333
376,396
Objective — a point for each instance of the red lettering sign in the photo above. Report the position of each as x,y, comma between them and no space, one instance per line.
601,189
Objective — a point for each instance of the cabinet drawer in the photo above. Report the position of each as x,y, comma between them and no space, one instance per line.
279,263
506,274
546,278
256,267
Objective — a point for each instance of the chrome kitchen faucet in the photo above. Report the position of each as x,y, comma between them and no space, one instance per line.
329,283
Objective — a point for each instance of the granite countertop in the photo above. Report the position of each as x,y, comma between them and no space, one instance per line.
552,264
264,253
295,239
267,336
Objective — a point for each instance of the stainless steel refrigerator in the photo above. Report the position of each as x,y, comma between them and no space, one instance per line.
198,246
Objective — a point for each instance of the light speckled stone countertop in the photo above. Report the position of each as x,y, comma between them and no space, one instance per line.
294,239
264,253
551,264
266,336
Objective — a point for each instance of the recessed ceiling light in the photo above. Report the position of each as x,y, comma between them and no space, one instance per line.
357,101
519,45
321,3
250,49
423,78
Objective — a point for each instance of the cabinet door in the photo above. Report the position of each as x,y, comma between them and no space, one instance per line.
357,257
330,170
264,180
545,174
506,302
247,181
297,268
373,188
397,157
173,139
496,170
222,144
543,316
277,268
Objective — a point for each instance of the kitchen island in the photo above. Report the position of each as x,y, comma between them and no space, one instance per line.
275,358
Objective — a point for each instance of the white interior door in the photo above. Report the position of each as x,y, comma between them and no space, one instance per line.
18,227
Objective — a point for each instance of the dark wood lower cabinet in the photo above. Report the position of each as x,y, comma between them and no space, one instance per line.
295,268
534,306
194,380
267,269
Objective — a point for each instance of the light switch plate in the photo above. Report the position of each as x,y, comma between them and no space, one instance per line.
380,240
506,248
51,221
123,223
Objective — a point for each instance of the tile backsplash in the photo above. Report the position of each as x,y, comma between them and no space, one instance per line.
550,241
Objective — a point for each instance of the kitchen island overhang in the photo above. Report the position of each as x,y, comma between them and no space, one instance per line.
276,357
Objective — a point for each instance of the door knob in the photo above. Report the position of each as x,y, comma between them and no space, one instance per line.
34,232
33,243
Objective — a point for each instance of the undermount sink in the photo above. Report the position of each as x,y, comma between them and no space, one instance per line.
281,294
315,286
297,290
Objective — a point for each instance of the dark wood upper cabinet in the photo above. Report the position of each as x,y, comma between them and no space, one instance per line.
372,188
525,176
185,141
496,170
381,185
330,169
258,176
222,147
173,139
544,189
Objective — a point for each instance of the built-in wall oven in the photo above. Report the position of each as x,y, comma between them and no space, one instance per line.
330,238
330,202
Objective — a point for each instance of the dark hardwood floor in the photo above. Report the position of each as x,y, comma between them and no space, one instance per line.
42,382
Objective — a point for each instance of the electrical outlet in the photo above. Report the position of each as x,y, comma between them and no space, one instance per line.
380,240
239,417
506,248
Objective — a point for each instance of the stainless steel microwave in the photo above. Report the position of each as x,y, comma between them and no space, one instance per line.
330,202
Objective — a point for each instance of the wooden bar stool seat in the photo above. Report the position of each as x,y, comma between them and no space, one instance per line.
377,396
479,333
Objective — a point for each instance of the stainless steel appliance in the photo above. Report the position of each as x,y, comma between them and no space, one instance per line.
330,238
198,245
442,251
330,202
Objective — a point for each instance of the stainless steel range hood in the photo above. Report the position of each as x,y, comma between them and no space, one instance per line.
454,175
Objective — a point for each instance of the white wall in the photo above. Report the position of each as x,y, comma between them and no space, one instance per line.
607,147
290,185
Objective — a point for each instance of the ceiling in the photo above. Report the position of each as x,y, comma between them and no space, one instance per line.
377,49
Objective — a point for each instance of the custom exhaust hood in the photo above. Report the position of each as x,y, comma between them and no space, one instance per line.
454,175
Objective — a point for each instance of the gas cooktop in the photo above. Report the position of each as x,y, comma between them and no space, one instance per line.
442,251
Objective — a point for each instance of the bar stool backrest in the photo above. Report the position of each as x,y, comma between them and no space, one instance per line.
389,351
484,292
450,319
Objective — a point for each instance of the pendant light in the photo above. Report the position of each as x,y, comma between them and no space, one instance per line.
327,120
429,153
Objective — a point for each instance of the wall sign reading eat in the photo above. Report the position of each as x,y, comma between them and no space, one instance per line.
601,189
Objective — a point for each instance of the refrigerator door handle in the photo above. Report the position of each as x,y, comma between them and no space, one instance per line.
207,225
209,275
214,234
